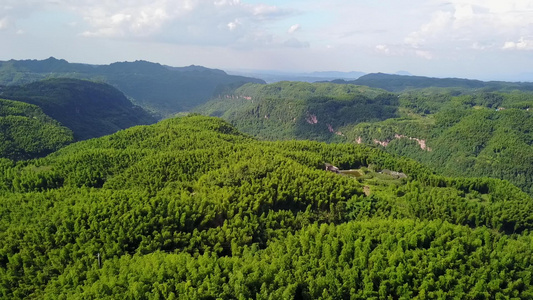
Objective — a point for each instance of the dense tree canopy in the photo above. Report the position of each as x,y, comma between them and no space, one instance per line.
299,110
191,208
480,134
458,127
26,132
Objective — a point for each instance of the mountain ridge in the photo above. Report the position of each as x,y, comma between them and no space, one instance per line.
399,83
162,89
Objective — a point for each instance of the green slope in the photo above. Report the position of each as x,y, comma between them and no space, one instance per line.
458,131
190,208
87,108
479,135
298,110
26,132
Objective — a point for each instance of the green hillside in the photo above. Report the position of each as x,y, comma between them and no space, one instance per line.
299,110
484,134
456,130
87,108
161,89
26,132
190,208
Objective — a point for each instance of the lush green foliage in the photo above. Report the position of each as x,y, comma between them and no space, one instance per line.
87,108
191,208
161,89
375,259
26,132
298,110
484,134
456,130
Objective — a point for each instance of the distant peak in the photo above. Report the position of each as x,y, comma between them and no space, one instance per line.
138,66
196,68
137,62
53,59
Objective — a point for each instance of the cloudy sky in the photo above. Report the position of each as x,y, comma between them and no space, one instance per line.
484,39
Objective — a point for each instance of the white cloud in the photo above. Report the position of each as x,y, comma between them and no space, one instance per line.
480,46
475,22
119,18
403,50
294,28
521,44
383,49
192,22
227,2
234,24
440,22
133,18
265,11
200,22
476,25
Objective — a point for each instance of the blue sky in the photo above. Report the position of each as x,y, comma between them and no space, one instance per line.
484,39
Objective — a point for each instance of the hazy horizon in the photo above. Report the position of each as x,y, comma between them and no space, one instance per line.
486,40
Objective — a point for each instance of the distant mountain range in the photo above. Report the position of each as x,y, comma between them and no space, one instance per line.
277,76
166,90
398,83
162,89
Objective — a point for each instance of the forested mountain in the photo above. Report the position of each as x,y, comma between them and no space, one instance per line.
26,132
458,131
299,110
162,89
483,134
398,83
87,108
190,208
